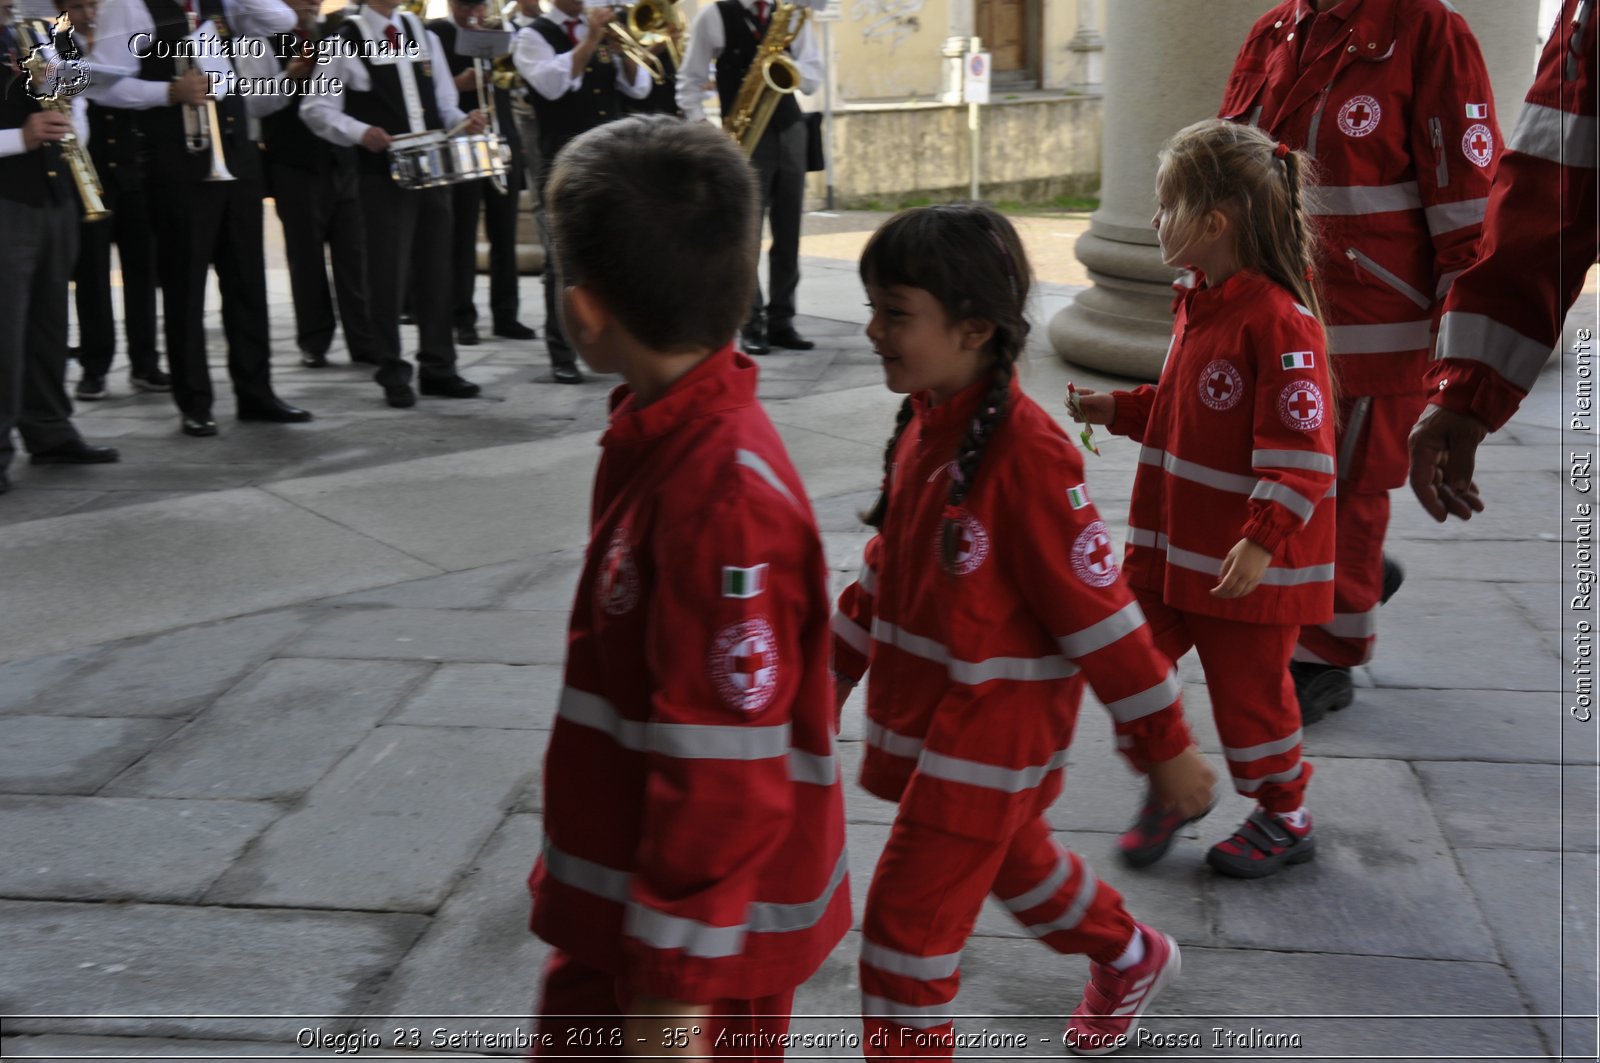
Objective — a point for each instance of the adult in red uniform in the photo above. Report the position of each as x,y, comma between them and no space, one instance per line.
1540,238
1392,100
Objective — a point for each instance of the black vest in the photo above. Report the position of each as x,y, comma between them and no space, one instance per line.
116,143
38,178
593,103
467,99
663,98
285,135
163,126
385,104
738,52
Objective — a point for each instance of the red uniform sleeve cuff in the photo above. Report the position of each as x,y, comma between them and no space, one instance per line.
1160,738
1474,389
1126,417
849,663
1266,532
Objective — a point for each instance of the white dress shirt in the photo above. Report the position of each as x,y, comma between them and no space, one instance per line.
11,142
120,21
324,114
550,73
706,41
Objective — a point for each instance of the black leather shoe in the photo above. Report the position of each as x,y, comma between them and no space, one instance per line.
5,483
567,374
449,387
313,361
1320,689
401,396
1394,574
76,452
789,339
272,409
466,335
202,425
516,330
753,341
365,359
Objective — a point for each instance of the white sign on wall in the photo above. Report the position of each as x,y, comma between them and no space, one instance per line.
975,87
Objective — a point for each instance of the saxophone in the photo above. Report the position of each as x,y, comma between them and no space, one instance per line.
772,76
40,73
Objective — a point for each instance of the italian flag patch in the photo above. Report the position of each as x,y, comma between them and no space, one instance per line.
1078,496
1299,360
1477,110
743,582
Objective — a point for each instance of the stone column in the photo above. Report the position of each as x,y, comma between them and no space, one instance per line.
1088,48
1166,66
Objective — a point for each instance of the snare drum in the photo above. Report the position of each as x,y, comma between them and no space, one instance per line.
432,160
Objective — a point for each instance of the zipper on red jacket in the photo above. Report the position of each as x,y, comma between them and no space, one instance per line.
1441,157
1392,280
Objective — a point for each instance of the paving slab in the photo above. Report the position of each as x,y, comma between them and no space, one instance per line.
274,735
122,849
48,1048
180,971
391,827
554,584
1429,725
486,695
1523,504
506,637
60,755
23,681
1513,806
1424,629
476,588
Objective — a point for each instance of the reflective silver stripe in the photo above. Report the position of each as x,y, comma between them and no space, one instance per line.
812,768
1442,289
868,579
851,633
1554,135
1316,125
682,740
1197,473
892,742
1288,498
1305,310
988,776
1142,704
1145,537
1353,625
1075,912
1022,669
1388,277
1302,654
1274,577
1293,459
758,465
1045,889
771,917
1250,786
918,1018
1265,749
923,968
586,875
1379,339
1124,621
662,931
1479,338
1448,217
1363,199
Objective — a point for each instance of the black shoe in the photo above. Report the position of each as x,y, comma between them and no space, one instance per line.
753,341
76,452
400,396
567,374
466,336
1321,689
91,387
1393,575
516,330
150,380
790,340
449,387
365,359
201,425
408,318
5,483
312,360
271,409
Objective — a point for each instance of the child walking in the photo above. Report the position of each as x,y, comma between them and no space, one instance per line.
693,872
1231,537
988,596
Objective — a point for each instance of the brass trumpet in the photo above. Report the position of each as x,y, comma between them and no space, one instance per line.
202,132
631,46
772,76
84,176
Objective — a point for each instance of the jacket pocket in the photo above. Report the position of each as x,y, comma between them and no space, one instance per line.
1364,264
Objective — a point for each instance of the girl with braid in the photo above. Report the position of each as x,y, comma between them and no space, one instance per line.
988,596
1231,530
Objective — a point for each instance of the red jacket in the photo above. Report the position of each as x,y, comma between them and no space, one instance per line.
1398,112
1505,314
1238,443
694,823
976,674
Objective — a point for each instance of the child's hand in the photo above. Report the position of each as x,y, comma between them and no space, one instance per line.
1185,784
664,1029
1242,570
1091,407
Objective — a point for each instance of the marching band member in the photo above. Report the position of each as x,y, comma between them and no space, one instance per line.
520,15
386,64
578,80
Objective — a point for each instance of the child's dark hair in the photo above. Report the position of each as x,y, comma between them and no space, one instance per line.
969,258
658,217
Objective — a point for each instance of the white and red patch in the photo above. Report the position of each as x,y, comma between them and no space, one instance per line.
1301,406
616,590
972,544
744,664
1094,559
1359,116
1221,385
1477,144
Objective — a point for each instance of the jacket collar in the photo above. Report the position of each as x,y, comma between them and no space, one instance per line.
724,381
1245,286
1370,31
951,420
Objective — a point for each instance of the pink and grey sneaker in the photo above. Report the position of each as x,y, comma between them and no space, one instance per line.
1108,1015
1262,845
1151,834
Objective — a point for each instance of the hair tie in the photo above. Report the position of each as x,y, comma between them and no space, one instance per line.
1281,151
1311,275
953,514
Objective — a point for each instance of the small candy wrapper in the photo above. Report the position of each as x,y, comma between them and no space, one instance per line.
1075,406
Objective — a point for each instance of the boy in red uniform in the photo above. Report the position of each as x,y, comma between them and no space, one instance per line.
694,864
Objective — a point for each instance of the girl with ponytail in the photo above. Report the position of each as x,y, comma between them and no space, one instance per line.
1231,529
988,597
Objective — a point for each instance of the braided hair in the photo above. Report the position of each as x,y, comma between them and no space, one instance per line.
970,259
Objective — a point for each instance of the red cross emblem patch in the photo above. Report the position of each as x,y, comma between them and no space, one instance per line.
1301,407
744,664
1477,144
1221,385
1359,116
616,587
972,544
1094,559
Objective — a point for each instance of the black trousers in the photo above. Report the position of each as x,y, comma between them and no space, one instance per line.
780,162
555,339
129,228
41,245
500,224
409,238
322,220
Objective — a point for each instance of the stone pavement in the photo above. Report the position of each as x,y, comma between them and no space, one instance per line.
273,705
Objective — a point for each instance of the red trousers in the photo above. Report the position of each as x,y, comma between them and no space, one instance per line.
1252,697
581,1010
1373,461
925,897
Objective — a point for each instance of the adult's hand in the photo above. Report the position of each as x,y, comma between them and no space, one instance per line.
376,139
1444,450
42,127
